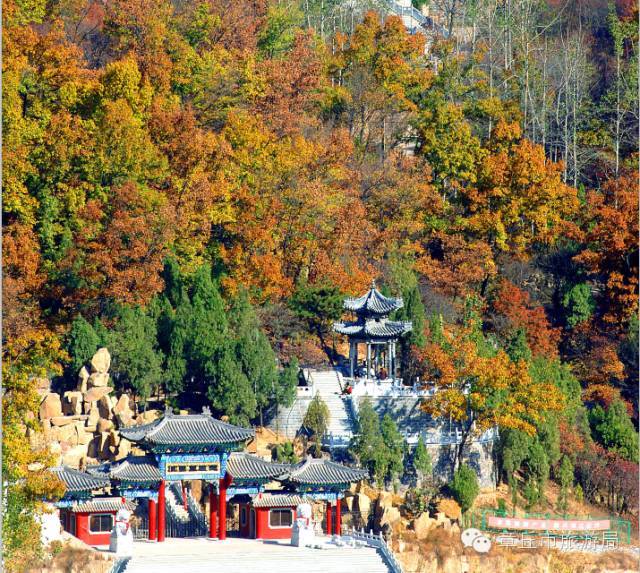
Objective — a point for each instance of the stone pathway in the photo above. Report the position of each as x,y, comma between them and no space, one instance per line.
249,556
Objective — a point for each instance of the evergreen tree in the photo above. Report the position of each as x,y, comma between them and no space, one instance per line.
287,382
317,420
228,388
422,464
579,304
537,464
177,365
464,487
83,341
565,477
612,427
517,347
393,442
368,444
136,360
254,353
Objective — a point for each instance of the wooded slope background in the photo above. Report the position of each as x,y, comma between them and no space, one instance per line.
188,182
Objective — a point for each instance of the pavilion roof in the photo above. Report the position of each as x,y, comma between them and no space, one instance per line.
103,504
373,329
243,466
132,469
373,303
325,472
77,481
191,430
278,500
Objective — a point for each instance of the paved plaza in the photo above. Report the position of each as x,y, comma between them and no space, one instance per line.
248,556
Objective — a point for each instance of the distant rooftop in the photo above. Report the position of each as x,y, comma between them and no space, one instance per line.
77,481
373,303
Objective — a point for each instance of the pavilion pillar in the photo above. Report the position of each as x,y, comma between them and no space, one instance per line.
161,511
389,360
213,512
329,528
338,529
152,519
222,510
393,362
368,360
352,353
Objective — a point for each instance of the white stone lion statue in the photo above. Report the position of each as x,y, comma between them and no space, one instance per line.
121,540
303,533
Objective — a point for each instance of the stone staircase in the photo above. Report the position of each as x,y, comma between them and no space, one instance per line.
289,420
327,383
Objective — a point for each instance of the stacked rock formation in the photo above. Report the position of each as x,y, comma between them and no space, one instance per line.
81,426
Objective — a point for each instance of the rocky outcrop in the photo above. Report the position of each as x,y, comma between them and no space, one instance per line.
82,426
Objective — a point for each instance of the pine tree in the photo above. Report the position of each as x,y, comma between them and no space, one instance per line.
83,341
393,442
136,359
287,382
317,420
565,477
464,487
254,353
421,463
368,444
228,388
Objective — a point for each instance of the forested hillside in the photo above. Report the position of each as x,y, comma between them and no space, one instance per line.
196,184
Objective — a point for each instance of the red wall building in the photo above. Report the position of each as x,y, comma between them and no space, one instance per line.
269,516
92,521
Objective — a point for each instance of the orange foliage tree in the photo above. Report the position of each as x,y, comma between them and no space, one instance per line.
515,304
479,387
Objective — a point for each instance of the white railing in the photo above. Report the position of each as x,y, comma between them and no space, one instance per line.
379,542
374,388
336,440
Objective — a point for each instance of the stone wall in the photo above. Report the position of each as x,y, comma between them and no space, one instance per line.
477,455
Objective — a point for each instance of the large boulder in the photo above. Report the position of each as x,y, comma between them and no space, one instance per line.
92,421
104,425
65,434
423,524
83,437
150,416
104,407
124,449
62,420
362,503
101,361
94,394
98,379
75,456
83,379
72,404
390,516
385,499
51,406
122,406
43,386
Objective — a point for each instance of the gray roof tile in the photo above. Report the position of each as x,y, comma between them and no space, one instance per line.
136,468
373,303
75,480
373,329
324,472
246,466
278,500
193,429
103,504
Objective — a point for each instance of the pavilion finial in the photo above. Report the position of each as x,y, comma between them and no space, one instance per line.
168,411
373,283
206,410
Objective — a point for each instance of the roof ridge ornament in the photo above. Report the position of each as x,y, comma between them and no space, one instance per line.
168,411
206,411
373,284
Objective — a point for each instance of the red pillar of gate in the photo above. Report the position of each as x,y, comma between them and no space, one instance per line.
338,518
161,512
213,512
152,520
329,529
222,507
